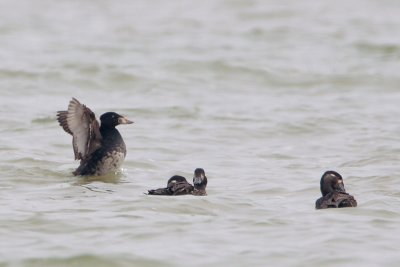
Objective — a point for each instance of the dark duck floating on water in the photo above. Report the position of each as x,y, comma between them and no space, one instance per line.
333,193
101,150
178,185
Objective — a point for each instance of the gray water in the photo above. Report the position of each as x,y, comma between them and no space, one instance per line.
264,95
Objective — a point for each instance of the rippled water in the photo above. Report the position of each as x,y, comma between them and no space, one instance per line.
264,95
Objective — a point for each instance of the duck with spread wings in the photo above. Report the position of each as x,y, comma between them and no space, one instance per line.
100,149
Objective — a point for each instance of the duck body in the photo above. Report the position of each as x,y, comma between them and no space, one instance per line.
333,192
178,185
106,159
101,150
336,200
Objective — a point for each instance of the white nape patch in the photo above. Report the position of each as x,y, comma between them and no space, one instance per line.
110,163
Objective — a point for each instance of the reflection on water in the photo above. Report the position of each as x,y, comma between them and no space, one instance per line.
108,178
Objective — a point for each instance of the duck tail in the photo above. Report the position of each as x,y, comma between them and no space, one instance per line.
159,191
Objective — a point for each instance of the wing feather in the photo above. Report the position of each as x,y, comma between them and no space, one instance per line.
181,188
81,123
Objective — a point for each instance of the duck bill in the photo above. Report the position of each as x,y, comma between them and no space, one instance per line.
123,120
197,180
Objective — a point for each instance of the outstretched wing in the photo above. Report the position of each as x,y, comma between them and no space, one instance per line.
81,123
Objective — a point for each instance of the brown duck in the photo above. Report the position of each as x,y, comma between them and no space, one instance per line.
333,193
178,185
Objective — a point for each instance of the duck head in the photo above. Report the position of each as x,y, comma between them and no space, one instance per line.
331,181
199,179
112,119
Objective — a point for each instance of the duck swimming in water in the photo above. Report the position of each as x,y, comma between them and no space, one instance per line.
178,185
333,193
100,149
